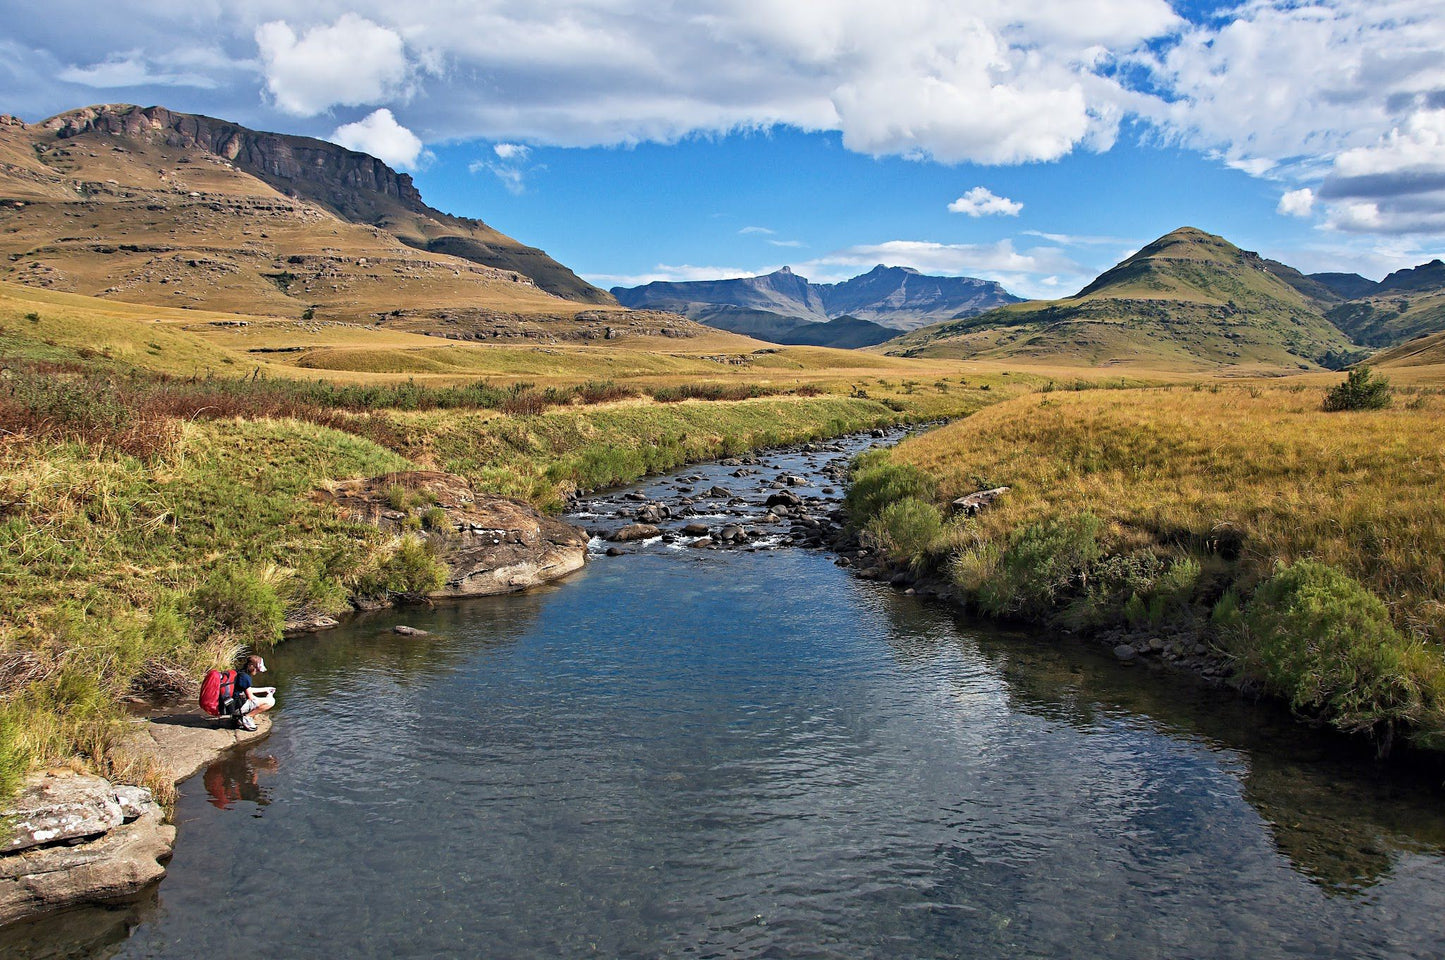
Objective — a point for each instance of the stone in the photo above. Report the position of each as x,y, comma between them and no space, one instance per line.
696,529
1124,652
701,542
406,631
489,544
975,503
720,493
633,532
312,624
615,551
784,498
731,532
59,808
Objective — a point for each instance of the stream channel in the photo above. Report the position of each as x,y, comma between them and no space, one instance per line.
750,752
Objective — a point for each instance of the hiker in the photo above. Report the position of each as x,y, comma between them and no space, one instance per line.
246,698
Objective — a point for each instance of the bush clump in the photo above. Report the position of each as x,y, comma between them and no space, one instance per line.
237,600
1043,567
905,530
1325,643
876,483
410,570
1361,390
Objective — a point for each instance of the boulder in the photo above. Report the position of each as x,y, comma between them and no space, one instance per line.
634,531
79,839
490,544
406,631
1124,652
719,493
695,529
785,498
976,503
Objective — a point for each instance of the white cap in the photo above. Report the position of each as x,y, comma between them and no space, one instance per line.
260,665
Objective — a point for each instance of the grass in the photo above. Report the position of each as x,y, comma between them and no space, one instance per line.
1156,508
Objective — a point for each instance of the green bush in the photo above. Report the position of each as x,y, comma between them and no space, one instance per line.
410,569
1360,391
435,519
235,599
905,530
878,484
1325,643
1044,566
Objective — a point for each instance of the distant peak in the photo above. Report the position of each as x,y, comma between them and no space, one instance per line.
785,269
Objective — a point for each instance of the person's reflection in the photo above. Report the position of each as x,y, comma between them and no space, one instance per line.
237,778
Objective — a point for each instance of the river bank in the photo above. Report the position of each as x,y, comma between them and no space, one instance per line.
1300,549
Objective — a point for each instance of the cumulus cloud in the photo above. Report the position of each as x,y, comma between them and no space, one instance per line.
352,62
982,202
511,151
381,136
1297,203
1394,186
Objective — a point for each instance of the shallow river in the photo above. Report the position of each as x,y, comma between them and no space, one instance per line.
754,754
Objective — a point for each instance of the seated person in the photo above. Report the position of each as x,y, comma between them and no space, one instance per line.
249,699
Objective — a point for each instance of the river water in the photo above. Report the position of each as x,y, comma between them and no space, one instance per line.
700,753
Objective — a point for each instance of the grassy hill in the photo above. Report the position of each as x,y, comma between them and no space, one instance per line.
155,207
1187,300
1384,320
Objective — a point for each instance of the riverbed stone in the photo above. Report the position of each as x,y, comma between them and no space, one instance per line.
1125,652
406,631
633,532
695,529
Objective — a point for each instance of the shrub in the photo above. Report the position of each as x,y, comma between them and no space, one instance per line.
410,569
905,530
1326,644
1043,567
435,519
1361,390
236,599
874,487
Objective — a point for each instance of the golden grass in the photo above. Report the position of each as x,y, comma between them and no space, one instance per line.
1364,492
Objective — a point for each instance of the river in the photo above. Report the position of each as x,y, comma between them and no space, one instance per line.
753,753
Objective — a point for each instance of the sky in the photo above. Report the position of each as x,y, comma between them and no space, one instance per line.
1032,142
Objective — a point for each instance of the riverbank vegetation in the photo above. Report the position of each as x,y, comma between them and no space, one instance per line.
1306,547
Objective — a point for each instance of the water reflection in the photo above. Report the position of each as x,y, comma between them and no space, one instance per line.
1340,819
236,778
93,933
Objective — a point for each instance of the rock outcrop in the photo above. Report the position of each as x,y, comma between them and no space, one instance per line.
490,544
80,839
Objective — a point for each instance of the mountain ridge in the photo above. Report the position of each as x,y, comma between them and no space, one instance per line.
1187,298
900,298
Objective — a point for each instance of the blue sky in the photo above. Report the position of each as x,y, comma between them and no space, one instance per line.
648,139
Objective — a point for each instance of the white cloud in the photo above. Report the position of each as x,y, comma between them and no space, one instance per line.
787,243
352,62
981,202
133,70
763,231
381,136
511,151
1021,272
1394,186
1297,203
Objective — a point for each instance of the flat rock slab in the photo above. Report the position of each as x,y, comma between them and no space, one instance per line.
182,743
80,840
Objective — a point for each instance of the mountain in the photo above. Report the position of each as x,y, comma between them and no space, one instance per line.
894,297
1346,286
1405,305
842,332
1188,299
148,205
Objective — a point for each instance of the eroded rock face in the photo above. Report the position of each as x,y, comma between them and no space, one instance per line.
79,839
490,544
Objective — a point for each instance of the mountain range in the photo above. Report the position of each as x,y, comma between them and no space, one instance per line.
151,206
787,308
1192,298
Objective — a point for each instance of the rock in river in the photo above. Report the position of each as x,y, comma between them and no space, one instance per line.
634,531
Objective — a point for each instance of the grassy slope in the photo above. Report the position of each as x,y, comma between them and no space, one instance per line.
1189,300
1235,479
1384,321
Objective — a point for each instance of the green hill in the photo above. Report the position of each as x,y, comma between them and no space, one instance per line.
1187,299
1405,305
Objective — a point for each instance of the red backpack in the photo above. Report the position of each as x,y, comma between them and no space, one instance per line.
218,687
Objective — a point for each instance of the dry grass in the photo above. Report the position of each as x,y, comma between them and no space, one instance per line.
1258,466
